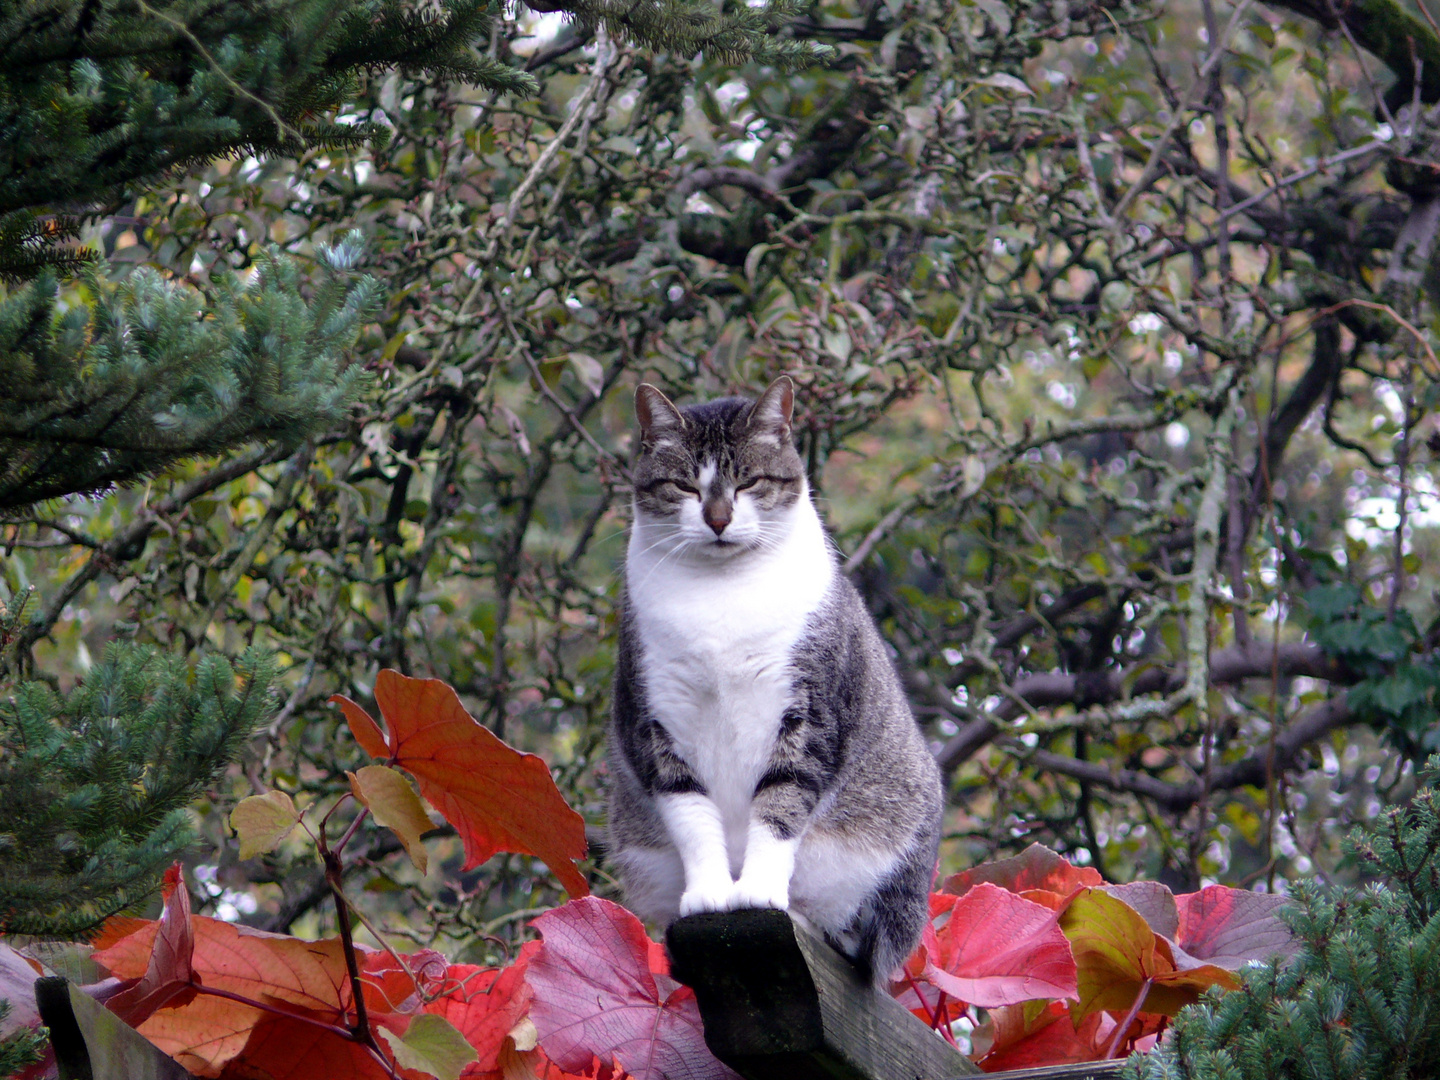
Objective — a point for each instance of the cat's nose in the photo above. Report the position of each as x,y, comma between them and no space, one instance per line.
717,516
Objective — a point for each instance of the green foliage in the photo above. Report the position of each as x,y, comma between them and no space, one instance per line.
22,1048
97,96
1397,678
93,784
1361,1001
144,374
730,34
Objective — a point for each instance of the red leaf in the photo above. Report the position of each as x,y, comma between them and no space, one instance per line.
497,798
1230,927
998,949
1043,1034
1037,869
169,978
596,996
1037,1034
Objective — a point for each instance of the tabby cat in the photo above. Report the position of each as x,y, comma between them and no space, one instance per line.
762,753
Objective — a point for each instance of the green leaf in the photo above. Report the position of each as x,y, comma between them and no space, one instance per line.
432,1045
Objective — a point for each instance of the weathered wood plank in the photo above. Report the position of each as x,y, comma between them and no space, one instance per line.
780,1004
92,1043
1088,1070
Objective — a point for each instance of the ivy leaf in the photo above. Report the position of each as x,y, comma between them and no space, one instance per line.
498,798
303,986
432,1045
394,804
998,948
1035,1034
1119,956
486,1005
598,995
1036,870
262,821
169,978
1231,927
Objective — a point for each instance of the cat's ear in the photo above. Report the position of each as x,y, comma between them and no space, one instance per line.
770,416
659,419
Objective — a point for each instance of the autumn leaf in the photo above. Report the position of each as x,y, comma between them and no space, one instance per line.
1034,1034
394,804
296,1009
1037,873
998,948
1152,901
486,1004
169,978
498,798
1120,957
1218,925
262,821
1231,927
1041,1033
17,986
596,995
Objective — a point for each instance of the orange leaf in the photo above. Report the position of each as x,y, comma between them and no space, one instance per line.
307,980
498,798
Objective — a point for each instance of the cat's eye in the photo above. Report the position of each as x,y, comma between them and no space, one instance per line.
748,484
687,488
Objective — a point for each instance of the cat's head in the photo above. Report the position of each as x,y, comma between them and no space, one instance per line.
721,478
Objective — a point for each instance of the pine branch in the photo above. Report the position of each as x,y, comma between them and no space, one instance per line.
93,785
149,374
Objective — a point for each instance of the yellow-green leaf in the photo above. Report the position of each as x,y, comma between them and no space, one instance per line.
431,1044
261,822
394,804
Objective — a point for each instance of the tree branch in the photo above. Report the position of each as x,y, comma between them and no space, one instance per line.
1088,689
1249,771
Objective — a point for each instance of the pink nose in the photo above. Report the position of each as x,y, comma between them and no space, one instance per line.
717,516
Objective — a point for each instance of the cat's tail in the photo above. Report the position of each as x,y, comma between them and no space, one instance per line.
888,927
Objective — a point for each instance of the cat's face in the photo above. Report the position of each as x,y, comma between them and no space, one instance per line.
718,479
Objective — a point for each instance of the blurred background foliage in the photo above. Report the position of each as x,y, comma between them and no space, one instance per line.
1114,326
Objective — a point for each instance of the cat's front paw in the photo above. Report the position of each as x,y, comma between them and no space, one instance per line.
706,898
758,893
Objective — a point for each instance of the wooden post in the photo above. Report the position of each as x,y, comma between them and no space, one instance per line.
779,1004
92,1043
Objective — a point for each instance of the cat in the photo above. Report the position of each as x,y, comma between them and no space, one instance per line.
761,749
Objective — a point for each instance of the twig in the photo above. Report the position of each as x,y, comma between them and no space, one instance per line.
604,54
282,129
1322,165
134,535
1202,79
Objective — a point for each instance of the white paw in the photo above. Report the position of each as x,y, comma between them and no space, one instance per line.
758,893
710,897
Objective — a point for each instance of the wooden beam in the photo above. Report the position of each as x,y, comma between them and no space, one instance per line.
92,1043
778,1003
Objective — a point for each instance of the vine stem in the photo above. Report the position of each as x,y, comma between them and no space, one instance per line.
1129,1019
334,878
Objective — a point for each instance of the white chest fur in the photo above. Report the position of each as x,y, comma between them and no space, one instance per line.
716,638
